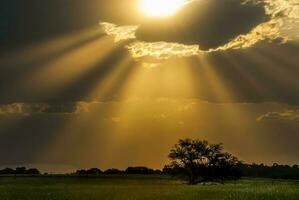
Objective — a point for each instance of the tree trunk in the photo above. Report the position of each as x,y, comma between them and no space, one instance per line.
191,178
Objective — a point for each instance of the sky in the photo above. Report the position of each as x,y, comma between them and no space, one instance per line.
99,84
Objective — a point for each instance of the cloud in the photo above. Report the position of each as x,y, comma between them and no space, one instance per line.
287,115
45,108
281,27
155,50
22,108
161,50
119,32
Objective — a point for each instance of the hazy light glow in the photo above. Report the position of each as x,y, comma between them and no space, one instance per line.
160,8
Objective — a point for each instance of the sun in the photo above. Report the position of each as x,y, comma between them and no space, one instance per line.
160,8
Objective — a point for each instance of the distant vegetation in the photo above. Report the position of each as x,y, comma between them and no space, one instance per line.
129,170
275,171
20,171
193,160
246,170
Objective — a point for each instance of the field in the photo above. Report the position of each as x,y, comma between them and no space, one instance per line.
142,188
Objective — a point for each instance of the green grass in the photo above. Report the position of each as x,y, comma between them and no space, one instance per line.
143,188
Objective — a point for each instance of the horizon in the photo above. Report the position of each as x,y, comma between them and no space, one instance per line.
62,169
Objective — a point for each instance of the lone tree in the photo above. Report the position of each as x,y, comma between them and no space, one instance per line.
202,162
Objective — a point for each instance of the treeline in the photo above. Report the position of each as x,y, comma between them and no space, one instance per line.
20,171
246,170
275,171
129,170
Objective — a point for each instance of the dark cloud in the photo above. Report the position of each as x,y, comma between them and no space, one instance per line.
27,22
278,25
209,24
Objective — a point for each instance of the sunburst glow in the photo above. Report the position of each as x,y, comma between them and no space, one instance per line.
160,8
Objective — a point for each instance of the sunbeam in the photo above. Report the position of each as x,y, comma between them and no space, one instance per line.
62,71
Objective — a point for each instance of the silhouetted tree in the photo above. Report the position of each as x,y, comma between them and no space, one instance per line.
81,172
7,171
275,171
92,171
139,170
113,171
158,171
33,171
202,162
20,170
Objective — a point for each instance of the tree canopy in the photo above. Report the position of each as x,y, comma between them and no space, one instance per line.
202,162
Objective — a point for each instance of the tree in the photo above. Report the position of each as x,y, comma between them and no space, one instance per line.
21,170
33,171
139,170
92,171
7,171
113,171
203,162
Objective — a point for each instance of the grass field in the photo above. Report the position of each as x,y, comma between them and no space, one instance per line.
143,188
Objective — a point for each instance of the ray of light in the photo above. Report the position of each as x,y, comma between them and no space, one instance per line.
216,84
143,86
277,73
221,91
38,52
284,63
245,73
93,116
105,86
289,55
64,70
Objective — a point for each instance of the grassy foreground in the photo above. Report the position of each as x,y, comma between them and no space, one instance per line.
143,188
